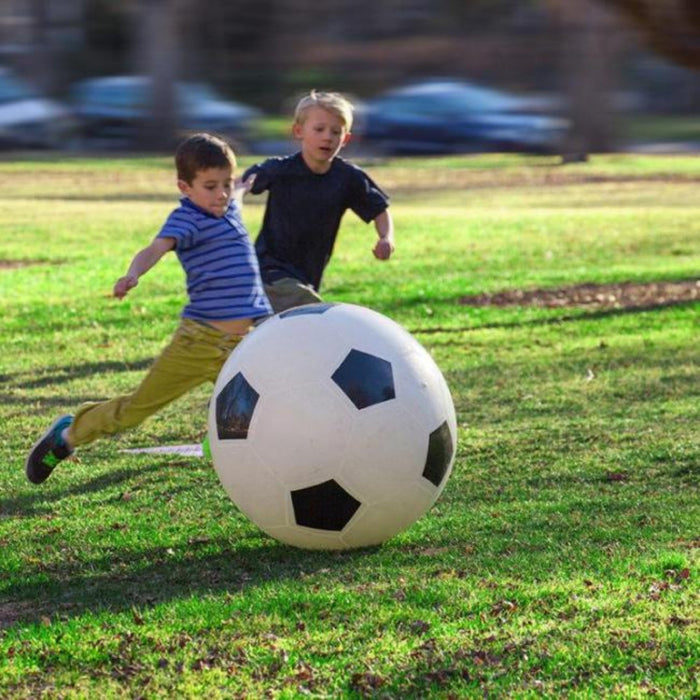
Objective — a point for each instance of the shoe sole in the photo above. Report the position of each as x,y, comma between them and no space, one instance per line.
37,443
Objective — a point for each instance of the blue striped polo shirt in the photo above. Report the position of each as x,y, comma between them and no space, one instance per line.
223,275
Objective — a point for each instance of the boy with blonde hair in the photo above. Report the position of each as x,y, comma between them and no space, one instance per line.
225,295
308,194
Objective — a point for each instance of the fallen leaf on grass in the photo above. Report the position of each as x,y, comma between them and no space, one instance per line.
679,621
419,627
365,682
432,551
503,606
616,476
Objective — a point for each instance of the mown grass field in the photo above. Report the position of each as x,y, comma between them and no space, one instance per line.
562,557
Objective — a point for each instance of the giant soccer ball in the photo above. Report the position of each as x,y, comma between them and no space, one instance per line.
331,427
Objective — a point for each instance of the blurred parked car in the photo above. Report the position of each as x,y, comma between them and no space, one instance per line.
29,119
452,116
111,110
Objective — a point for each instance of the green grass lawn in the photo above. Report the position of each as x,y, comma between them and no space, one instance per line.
562,557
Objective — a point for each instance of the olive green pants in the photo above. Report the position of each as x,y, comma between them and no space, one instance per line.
288,292
195,355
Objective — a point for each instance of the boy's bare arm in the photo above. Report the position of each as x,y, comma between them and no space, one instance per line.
142,262
384,247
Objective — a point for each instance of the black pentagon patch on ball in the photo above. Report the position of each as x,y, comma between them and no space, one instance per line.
366,379
306,310
439,454
234,408
325,506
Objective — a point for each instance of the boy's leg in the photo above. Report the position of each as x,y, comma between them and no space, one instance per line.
195,355
288,292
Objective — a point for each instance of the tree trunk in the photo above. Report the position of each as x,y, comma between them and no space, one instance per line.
670,27
41,65
588,38
156,52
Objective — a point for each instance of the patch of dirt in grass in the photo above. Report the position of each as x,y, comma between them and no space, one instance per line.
625,295
404,181
12,612
12,264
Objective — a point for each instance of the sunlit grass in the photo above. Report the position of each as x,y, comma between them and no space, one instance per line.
560,561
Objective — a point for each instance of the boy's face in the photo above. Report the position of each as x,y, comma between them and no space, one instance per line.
322,135
210,189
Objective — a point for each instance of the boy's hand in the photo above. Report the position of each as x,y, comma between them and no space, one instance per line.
124,284
383,248
241,187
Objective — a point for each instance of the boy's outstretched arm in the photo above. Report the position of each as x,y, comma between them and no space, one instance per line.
385,230
142,262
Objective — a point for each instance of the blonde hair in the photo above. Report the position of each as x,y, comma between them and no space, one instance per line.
332,102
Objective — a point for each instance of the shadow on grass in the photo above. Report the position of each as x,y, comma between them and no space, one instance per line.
38,501
544,535
123,579
60,375
583,315
68,373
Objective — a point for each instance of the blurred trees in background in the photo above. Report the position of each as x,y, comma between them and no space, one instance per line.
671,27
266,51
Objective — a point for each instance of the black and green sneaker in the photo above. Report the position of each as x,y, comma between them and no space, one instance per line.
48,451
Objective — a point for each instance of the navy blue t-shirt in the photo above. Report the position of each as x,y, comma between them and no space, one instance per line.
303,213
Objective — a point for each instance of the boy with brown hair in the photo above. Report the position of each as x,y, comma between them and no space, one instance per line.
225,293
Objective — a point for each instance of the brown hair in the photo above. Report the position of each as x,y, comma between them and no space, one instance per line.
202,151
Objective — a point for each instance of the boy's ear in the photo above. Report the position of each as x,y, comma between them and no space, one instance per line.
183,187
346,139
296,130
